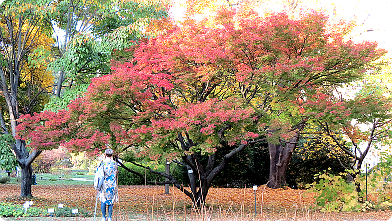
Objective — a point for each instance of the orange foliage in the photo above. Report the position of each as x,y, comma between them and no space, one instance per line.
159,26
140,197
277,203
355,134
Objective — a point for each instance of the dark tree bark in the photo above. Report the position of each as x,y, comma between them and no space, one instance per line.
26,182
25,159
280,157
200,176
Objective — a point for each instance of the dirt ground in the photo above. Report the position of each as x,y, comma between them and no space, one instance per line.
151,203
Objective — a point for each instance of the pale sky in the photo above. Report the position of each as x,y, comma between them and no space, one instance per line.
373,18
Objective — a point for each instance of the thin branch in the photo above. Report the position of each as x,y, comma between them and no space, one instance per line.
171,179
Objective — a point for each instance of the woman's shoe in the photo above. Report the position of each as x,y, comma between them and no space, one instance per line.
103,219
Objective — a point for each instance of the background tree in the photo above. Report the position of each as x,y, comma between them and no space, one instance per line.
92,33
22,25
50,160
313,156
7,160
36,80
201,88
26,28
361,122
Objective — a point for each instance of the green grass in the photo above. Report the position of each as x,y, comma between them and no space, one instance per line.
49,179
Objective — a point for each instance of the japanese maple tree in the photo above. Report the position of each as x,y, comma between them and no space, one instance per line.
201,87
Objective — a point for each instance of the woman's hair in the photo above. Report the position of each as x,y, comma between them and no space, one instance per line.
108,152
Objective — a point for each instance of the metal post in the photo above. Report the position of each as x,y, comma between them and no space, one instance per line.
254,190
167,170
366,165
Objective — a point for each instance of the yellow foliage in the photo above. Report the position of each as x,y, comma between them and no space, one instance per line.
385,205
35,72
321,140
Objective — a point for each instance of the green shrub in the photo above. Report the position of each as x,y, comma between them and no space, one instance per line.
367,206
128,178
34,212
60,172
385,206
334,194
377,181
67,212
310,160
4,179
12,210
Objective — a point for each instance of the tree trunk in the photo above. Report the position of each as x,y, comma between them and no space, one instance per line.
200,177
199,187
276,173
280,157
25,159
201,194
26,182
193,184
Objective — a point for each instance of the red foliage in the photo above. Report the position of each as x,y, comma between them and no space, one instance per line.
213,84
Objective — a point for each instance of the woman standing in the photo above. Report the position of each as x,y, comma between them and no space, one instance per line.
108,192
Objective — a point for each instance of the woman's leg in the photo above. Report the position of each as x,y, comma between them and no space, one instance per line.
110,210
103,209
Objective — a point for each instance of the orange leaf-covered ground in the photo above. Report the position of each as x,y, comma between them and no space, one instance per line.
138,202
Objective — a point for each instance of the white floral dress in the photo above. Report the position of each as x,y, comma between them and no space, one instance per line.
109,190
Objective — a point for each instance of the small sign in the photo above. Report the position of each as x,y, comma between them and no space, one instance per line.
50,210
26,205
61,205
190,171
74,211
